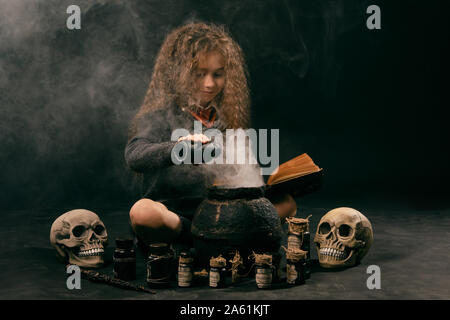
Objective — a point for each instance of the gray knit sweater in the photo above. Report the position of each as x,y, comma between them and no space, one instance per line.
149,152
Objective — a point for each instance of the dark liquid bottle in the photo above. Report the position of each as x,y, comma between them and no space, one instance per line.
124,259
306,246
295,271
159,265
277,275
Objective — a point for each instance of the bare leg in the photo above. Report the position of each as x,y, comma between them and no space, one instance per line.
153,222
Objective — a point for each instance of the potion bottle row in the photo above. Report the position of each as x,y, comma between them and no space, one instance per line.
162,265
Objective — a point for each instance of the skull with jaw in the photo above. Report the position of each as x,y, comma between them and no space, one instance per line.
79,237
343,237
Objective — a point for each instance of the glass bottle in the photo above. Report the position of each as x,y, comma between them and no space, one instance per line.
263,276
295,267
124,259
217,272
159,265
185,269
306,247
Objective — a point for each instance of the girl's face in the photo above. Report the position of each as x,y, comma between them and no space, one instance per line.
209,77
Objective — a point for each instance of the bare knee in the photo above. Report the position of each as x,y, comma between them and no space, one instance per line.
147,213
153,222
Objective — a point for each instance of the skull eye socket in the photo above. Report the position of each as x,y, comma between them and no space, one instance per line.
78,231
324,228
62,236
99,229
345,230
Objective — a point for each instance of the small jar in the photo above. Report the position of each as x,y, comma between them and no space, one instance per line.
217,272
295,272
295,268
296,229
159,265
294,241
263,270
185,269
263,276
124,260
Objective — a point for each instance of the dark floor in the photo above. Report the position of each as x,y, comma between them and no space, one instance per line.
411,247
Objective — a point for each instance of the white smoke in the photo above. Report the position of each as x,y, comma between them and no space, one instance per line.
239,168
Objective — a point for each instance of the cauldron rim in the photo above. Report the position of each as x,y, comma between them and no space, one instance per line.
227,192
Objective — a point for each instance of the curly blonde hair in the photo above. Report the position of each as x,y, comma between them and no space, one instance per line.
173,80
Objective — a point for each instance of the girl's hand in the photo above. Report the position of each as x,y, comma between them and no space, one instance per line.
195,137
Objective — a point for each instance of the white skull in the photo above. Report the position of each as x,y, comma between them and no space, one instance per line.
79,237
343,237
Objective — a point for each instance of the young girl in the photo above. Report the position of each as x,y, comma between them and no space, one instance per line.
199,75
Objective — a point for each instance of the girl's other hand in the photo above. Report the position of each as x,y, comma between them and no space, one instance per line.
195,137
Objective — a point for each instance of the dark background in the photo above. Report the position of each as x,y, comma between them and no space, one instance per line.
366,105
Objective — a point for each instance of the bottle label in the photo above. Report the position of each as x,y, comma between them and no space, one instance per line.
293,242
263,277
291,273
214,279
184,276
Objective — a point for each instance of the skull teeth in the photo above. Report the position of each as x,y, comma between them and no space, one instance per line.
91,252
334,253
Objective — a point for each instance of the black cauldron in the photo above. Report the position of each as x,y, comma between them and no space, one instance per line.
231,219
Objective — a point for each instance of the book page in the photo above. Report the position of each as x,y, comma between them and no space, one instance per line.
297,167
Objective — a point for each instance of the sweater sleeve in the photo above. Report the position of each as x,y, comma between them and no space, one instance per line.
151,147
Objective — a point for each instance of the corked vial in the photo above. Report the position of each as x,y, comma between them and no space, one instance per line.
295,266
124,259
159,265
297,228
264,270
185,269
300,238
217,272
237,265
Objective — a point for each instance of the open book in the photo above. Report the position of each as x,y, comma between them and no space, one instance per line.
297,176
